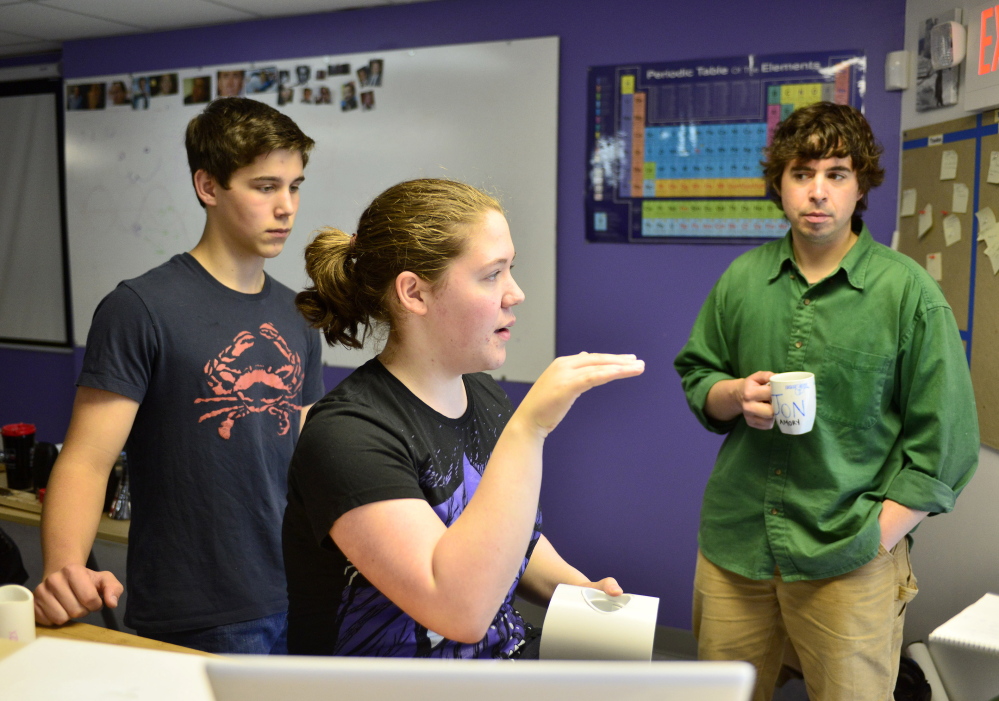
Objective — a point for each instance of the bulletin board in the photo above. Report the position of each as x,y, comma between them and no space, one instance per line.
483,113
674,149
958,241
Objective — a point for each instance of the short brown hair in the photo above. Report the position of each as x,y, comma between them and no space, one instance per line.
824,130
233,132
417,226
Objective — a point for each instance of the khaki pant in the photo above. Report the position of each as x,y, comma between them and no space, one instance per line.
847,630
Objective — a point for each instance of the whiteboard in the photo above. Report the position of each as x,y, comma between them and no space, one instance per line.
483,113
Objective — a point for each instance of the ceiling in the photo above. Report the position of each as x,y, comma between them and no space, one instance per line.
36,26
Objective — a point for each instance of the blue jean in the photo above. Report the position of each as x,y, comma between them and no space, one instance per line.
261,636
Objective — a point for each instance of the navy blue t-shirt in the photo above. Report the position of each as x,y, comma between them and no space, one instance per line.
221,377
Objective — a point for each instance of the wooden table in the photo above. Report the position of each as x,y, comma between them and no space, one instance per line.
89,633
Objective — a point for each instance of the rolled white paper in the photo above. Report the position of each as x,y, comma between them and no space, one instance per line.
583,623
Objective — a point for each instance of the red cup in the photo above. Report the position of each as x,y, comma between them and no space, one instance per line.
18,441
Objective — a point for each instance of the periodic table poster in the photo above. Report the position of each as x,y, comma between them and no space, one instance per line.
674,149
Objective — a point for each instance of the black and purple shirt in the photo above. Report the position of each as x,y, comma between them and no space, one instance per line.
369,440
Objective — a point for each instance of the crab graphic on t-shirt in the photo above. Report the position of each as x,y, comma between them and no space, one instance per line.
255,374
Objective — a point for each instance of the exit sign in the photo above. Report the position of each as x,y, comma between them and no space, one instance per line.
981,90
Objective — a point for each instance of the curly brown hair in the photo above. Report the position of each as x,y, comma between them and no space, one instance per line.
233,131
824,130
417,226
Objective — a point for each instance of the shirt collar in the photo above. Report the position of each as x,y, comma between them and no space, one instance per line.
854,264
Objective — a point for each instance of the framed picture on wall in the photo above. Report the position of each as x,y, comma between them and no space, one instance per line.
674,149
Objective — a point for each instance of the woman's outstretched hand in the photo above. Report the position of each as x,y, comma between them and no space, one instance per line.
549,400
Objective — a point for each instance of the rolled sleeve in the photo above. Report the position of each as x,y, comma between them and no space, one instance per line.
921,492
697,397
940,440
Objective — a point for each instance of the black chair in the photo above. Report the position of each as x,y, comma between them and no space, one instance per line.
11,566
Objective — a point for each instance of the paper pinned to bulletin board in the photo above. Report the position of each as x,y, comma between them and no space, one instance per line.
952,170
674,149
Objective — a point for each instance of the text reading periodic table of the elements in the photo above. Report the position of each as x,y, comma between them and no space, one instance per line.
674,149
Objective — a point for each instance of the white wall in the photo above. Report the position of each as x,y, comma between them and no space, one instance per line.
956,555
915,12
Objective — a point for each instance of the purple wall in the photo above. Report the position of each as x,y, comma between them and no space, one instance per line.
626,470
30,60
37,387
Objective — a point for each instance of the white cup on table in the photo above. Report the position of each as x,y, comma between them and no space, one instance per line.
17,613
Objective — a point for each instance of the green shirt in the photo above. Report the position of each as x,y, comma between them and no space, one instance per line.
895,418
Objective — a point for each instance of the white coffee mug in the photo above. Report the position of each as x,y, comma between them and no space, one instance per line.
17,613
792,395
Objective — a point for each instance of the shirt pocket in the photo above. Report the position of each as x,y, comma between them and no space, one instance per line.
850,385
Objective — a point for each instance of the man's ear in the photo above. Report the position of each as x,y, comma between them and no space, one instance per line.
411,291
205,186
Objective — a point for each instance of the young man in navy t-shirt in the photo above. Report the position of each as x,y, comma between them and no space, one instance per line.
202,371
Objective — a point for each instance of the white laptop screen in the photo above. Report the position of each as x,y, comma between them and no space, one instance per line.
261,678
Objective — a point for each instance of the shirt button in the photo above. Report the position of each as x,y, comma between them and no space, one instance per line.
793,277
773,511
797,344
777,472
807,302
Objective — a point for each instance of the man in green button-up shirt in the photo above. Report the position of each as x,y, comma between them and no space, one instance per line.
803,537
